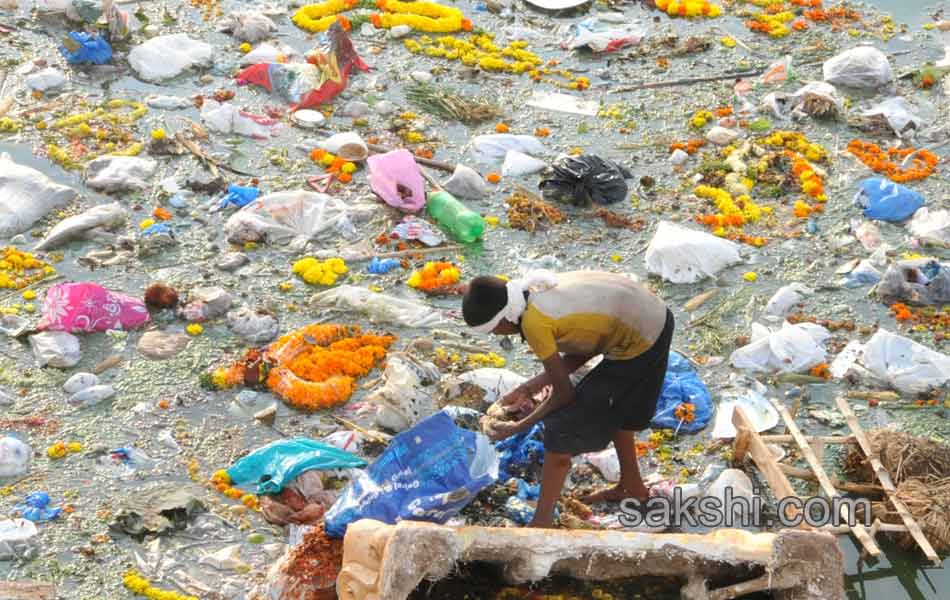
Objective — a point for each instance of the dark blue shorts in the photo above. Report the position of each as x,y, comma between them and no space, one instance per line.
616,395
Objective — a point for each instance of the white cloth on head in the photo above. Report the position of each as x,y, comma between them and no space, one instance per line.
533,281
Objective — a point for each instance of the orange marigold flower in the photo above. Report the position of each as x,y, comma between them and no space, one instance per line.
542,132
821,370
344,178
493,178
725,111
161,214
501,128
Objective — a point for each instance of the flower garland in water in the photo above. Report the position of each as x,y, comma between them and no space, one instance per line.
20,269
221,481
690,147
732,213
96,133
341,168
316,367
319,17
480,50
689,8
775,25
434,277
880,161
776,16
316,272
420,16
140,586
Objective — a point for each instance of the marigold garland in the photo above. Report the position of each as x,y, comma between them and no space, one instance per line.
690,147
341,168
20,269
434,277
923,163
319,17
420,16
221,481
689,8
138,585
732,213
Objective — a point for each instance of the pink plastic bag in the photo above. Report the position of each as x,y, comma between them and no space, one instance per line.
396,178
87,307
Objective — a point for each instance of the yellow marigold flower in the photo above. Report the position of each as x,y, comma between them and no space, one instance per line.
29,295
245,47
750,276
348,168
194,329
74,447
220,476
56,451
158,134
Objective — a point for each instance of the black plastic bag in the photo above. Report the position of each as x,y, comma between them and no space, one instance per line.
581,180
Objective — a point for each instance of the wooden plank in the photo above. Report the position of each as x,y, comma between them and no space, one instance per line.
765,461
867,542
886,482
861,489
825,439
26,590
740,447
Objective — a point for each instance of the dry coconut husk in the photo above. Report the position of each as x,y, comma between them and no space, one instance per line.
903,455
929,503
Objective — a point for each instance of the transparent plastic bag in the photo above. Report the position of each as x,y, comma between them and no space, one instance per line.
789,350
378,308
168,56
905,364
682,255
861,67
26,196
404,399
14,457
785,298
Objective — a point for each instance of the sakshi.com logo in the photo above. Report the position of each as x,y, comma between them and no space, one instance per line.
736,510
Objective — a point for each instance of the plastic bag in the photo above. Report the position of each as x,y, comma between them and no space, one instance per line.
931,225
87,307
268,53
94,221
15,457
518,164
918,281
863,274
861,67
589,33
606,462
819,99
239,196
414,228
465,182
81,48
885,200
310,84
26,196
789,350
722,136
908,366
738,484
56,349
753,403
256,327
273,466
347,145
247,25
378,308
48,79
496,383
898,112
682,385
403,400
168,56
521,451
302,501
293,218
227,118
583,179
785,298
682,255
395,177
119,173
492,148
428,473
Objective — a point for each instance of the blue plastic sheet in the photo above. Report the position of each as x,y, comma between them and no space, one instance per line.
428,473
36,508
380,267
884,200
680,385
275,465
239,196
520,450
81,48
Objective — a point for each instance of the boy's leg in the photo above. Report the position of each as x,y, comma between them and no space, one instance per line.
631,483
553,473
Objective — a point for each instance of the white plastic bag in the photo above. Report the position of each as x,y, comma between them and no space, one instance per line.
294,218
228,118
861,67
518,163
407,394
56,349
497,383
898,112
14,458
785,298
789,350
846,358
756,407
493,147
26,196
931,225
267,53
253,326
606,462
738,485
347,145
682,255
465,182
247,25
378,308
167,56
95,221
905,364
45,80
80,382
120,173
722,136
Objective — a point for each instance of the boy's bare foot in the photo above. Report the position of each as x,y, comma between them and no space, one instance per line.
616,493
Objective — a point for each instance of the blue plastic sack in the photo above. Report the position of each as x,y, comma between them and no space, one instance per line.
520,450
428,473
680,385
36,508
240,196
275,465
380,267
81,48
884,200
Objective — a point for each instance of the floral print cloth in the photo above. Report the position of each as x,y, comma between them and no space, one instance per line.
78,307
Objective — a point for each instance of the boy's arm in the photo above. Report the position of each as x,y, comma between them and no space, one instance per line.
556,369
572,362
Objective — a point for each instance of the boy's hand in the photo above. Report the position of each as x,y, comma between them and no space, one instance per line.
517,397
500,430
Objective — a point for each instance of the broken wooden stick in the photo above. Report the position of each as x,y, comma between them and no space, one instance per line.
685,81
428,162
